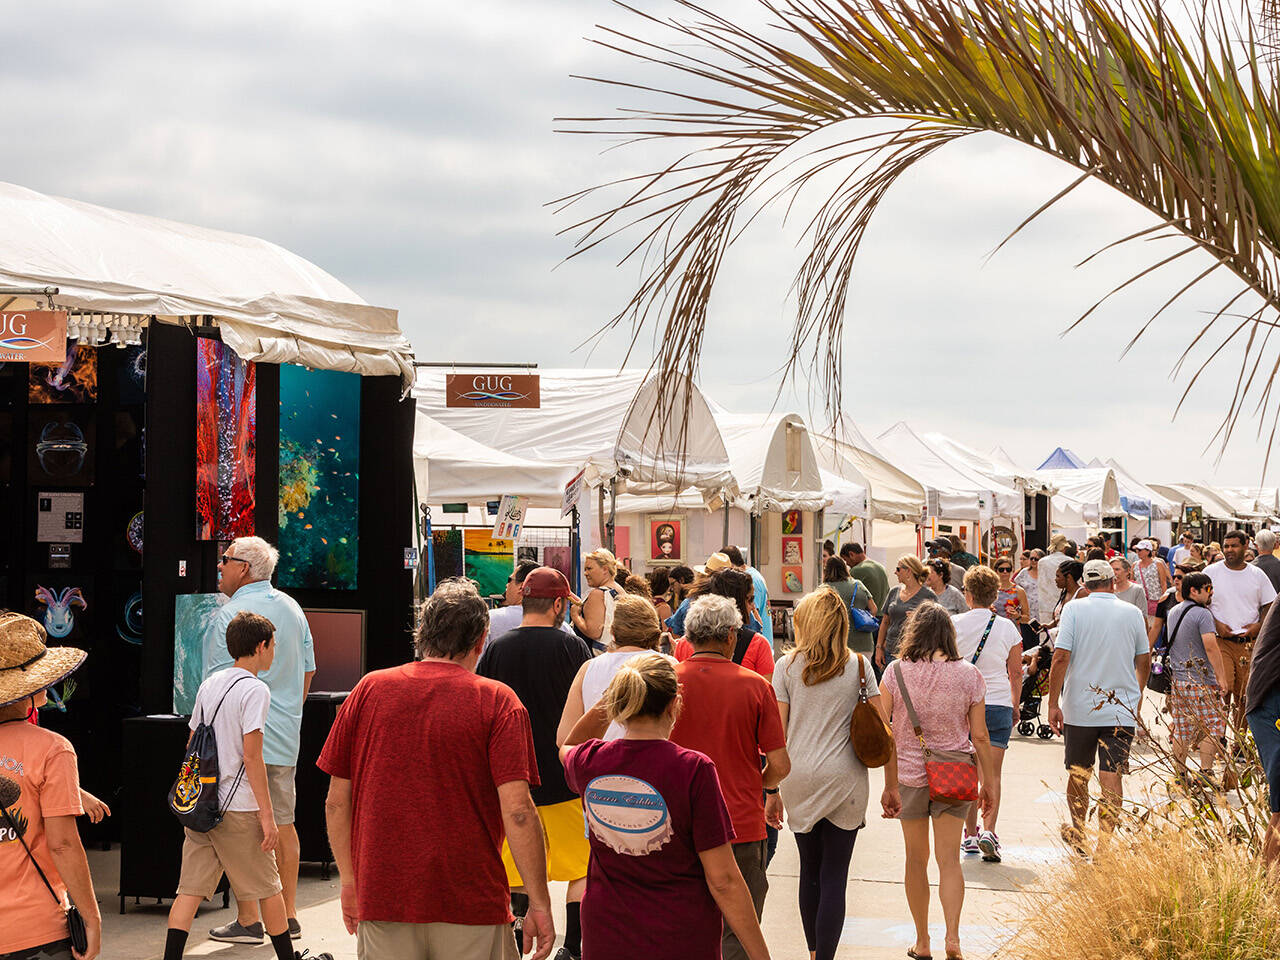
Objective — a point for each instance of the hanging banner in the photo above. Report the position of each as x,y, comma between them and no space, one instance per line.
508,390
33,336
510,517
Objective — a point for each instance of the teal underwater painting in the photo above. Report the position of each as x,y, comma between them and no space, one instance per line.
193,615
319,478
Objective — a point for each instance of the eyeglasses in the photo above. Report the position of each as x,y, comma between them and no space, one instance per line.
227,558
1004,569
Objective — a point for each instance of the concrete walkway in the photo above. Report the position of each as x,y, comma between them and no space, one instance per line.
878,926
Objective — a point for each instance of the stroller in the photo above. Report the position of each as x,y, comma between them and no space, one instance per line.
1035,685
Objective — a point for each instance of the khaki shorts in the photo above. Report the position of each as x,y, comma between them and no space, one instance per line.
565,835
233,847
384,940
1236,655
283,795
917,804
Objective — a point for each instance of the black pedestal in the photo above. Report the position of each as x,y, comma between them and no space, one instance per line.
318,714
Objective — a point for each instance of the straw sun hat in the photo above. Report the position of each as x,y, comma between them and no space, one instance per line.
27,666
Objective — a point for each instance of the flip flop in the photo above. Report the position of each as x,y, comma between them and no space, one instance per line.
919,956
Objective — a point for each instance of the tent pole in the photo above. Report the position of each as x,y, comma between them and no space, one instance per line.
575,548
613,511
725,540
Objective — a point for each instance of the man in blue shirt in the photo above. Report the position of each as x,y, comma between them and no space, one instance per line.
764,622
245,570
1100,668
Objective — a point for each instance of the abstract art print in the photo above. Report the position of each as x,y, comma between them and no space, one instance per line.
319,478
488,561
225,442
446,553
75,380
793,522
193,615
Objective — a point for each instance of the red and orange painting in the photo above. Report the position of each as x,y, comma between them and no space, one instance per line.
75,380
225,442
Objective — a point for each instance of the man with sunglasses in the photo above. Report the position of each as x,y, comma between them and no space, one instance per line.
244,575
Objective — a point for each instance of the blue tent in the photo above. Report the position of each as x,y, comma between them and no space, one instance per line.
1062,459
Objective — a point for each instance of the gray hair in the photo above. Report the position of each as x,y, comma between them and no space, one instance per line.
1266,541
261,556
451,621
710,619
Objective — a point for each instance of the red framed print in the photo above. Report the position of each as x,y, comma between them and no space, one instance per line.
793,579
792,551
666,539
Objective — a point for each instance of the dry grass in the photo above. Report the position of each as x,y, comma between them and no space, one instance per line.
1158,896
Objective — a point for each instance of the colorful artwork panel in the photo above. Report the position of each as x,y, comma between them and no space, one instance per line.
61,448
666,539
793,579
226,428
62,607
446,551
792,522
75,380
487,561
319,478
193,616
559,558
792,550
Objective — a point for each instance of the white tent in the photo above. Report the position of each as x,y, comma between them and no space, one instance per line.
1003,470
1254,503
603,420
773,460
1084,496
1211,504
962,492
891,494
1133,491
270,304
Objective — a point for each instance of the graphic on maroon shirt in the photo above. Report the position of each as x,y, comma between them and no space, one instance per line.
627,814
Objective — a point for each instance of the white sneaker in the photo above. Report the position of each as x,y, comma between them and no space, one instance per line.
989,844
970,844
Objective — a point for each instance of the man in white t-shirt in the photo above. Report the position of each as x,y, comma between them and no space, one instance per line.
1241,595
1182,551
1049,564
994,645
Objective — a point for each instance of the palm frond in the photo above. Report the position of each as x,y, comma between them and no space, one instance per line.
1184,125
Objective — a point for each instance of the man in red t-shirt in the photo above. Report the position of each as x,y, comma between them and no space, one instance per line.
430,764
731,715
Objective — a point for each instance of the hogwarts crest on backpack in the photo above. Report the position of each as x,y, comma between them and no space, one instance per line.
193,798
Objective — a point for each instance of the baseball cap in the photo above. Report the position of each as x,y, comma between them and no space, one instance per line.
545,583
1145,545
939,545
1098,571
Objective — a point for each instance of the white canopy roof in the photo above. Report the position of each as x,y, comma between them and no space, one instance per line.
1084,496
963,492
773,460
1162,508
892,495
1254,503
1197,495
449,467
601,420
270,304
1002,471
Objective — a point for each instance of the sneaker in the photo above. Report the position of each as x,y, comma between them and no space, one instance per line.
564,954
295,929
970,844
989,844
234,932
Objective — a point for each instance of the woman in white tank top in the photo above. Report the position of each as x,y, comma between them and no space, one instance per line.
593,617
635,630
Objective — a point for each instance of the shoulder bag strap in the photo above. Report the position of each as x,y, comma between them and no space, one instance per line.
854,595
983,642
17,833
862,680
1168,651
911,710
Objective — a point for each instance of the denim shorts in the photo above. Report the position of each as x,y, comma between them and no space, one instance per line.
1262,724
999,725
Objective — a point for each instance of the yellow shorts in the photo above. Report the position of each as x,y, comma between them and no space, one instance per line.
564,830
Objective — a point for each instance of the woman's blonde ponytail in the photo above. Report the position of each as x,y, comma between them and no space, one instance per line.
644,686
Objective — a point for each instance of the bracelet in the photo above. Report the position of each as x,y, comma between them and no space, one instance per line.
771,790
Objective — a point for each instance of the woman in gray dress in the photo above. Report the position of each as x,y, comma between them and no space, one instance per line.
825,795
902,599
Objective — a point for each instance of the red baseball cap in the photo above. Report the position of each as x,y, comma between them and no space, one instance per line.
545,583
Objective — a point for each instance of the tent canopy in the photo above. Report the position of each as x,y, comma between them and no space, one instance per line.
271,305
891,494
1062,459
963,493
1197,495
600,419
1085,495
1138,499
980,463
773,461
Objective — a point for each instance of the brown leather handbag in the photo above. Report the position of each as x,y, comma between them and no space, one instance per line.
872,741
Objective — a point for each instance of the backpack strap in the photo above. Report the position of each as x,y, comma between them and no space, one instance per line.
983,642
745,636
224,697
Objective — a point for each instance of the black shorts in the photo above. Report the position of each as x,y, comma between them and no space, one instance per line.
1108,745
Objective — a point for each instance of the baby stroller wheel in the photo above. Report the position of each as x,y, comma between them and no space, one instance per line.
1026,728
1044,732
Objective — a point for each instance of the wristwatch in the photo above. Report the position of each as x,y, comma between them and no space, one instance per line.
771,790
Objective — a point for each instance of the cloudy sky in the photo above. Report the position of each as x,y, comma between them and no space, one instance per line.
410,149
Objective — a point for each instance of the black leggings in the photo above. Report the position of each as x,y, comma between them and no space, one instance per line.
825,852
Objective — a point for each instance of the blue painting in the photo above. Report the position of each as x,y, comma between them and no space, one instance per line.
319,478
193,616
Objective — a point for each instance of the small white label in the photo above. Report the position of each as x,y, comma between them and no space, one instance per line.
182,568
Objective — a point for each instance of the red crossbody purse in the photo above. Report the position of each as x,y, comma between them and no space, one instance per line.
952,774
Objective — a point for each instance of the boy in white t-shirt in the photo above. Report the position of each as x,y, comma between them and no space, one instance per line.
1000,661
235,702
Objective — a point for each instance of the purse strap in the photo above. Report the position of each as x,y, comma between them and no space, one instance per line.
983,642
862,681
911,710
17,833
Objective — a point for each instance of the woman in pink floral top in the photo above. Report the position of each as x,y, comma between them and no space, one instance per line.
949,697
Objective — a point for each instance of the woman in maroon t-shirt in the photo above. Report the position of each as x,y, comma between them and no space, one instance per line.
660,831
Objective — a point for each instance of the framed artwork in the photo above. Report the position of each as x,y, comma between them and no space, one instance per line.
62,606
792,551
193,615
793,579
75,380
338,637
61,448
792,522
560,558
319,511
131,374
226,441
527,553
446,551
488,561
666,539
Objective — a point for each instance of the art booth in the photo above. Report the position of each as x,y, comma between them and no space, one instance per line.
211,386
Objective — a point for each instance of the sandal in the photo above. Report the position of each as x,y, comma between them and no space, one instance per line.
919,956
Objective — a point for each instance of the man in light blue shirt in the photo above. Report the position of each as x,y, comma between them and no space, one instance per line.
764,624
245,571
1100,667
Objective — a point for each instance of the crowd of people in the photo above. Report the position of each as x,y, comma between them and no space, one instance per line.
646,743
